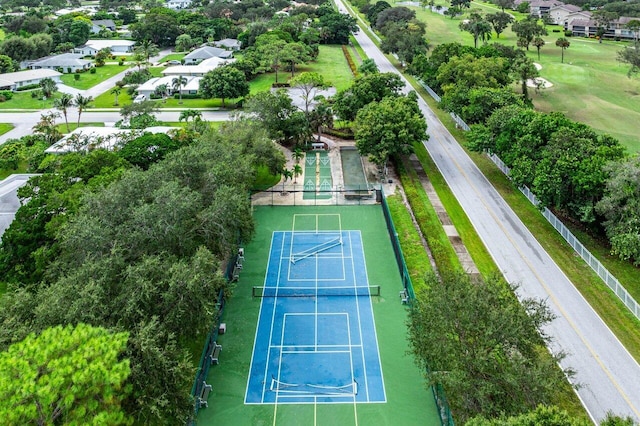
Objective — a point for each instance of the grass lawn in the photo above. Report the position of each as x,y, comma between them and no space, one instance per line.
173,57
5,127
62,128
88,80
590,87
23,100
4,173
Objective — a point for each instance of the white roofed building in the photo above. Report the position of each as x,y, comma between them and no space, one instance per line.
88,138
191,87
67,62
197,70
119,47
15,80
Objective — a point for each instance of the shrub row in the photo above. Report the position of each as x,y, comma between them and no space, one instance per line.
352,65
188,96
28,87
5,95
428,221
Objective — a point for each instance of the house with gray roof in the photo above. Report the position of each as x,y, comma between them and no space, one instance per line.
228,43
15,80
99,24
117,47
67,62
206,52
178,4
560,13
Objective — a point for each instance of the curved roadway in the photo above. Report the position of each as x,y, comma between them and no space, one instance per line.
608,376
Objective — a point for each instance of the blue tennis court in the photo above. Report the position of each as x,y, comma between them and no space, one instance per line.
315,341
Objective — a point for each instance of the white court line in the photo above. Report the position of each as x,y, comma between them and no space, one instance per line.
375,333
273,316
317,352
313,346
355,283
255,338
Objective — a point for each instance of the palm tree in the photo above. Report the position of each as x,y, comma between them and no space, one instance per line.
49,87
190,113
286,174
177,84
63,103
297,171
538,42
147,49
297,155
563,43
47,127
82,103
161,90
116,91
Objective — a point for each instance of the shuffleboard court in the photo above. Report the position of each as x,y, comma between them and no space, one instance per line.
316,341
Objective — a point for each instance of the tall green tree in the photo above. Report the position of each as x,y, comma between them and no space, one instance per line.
82,102
366,89
224,83
563,44
538,42
69,375
527,30
63,103
478,27
631,55
388,128
269,48
499,21
146,49
284,122
620,206
176,85
405,39
490,357
524,70
116,92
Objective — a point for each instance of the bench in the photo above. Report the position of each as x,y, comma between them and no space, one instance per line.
204,395
318,146
404,296
215,353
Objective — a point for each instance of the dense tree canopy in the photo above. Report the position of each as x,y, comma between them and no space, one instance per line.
489,353
388,128
366,89
69,375
224,83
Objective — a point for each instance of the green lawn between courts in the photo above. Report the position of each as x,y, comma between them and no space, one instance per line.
408,400
591,86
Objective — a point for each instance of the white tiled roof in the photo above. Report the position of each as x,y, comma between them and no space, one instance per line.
19,76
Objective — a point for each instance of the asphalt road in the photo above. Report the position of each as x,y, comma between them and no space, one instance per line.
608,376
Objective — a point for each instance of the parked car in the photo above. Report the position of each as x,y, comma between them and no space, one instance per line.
140,98
173,62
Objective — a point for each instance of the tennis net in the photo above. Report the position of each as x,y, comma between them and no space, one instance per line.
373,290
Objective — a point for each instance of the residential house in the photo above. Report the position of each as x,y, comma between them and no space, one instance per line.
87,138
196,70
206,52
559,14
67,62
589,28
228,43
149,87
117,47
15,80
100,24
541,8
178,4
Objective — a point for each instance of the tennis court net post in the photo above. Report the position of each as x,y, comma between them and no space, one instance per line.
257,291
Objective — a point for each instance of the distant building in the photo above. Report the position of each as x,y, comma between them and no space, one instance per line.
67,62
15,80
99,24
206,52
88,138
178,4
228,43
196,70
559,14
118,47
191,87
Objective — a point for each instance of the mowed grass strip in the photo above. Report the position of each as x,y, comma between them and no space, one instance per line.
5,127
442,251
414,253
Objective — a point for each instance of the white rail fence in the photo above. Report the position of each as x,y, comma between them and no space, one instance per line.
606,276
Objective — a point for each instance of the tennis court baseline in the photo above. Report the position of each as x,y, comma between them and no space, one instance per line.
315,341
